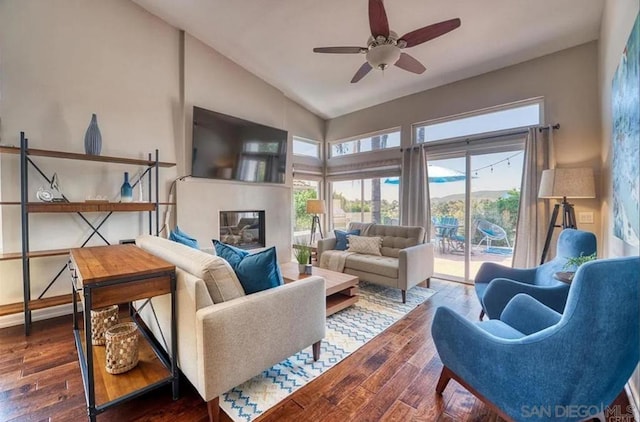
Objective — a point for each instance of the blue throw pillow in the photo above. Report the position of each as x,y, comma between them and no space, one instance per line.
229,253
259,271
188,241
341,238
183,234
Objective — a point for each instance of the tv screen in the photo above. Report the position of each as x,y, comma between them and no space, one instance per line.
226,147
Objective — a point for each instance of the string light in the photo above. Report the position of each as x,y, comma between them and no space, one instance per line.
490,166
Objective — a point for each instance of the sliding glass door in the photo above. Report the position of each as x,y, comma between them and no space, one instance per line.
474,195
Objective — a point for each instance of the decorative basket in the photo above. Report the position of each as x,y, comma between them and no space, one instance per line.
122,347
101,320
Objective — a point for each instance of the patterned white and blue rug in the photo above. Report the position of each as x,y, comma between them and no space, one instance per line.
347,330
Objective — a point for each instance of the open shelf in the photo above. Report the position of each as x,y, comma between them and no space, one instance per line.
84,157
90,206
108,387
34,254
46,302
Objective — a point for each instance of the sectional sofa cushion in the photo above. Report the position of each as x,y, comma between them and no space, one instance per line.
222,283
384,265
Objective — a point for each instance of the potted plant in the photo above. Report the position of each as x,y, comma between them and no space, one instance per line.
302,254
571,266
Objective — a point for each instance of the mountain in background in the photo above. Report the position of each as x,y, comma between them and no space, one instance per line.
491,195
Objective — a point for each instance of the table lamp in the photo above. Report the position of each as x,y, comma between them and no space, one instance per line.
563,183
315,207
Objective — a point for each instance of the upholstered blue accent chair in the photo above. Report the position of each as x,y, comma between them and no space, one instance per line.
496,284
534,360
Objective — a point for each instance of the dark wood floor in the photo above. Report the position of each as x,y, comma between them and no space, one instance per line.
391,378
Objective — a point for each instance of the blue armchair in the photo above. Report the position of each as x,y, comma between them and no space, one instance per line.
535,362
496,284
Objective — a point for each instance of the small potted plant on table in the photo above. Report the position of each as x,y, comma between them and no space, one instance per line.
572,265
303,254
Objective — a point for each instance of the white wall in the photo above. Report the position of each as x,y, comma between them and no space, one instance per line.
60,61
617,20
567,80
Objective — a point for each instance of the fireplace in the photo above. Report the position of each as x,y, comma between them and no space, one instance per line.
242,229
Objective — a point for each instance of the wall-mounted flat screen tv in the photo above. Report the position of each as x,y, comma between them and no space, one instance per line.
226,147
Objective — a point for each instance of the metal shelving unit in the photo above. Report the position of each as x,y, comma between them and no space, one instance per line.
151,174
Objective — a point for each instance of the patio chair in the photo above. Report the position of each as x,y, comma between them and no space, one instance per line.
491,232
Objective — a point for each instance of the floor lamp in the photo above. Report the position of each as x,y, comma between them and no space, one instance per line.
316,208
564,183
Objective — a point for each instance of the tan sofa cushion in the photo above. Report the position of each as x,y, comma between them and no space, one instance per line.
364,244
383,265
395,238
220,279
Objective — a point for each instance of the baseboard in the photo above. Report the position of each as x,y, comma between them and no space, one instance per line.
38,315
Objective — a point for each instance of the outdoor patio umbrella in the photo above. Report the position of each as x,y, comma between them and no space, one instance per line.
437,174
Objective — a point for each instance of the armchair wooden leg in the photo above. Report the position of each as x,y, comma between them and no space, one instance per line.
316,350
404,296
445,376
481,315
213,406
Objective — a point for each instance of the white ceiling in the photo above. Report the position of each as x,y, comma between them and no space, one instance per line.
274,40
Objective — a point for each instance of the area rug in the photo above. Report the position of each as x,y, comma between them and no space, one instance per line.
347,330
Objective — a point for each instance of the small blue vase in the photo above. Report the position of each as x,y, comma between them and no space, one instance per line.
126,191
93,137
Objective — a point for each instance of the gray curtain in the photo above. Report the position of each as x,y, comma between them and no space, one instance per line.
533,215
416,209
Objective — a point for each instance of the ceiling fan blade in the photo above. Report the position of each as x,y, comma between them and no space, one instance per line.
409,63
340,50
361,73
378,19
430,32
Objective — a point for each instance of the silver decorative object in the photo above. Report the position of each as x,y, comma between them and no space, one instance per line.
93,137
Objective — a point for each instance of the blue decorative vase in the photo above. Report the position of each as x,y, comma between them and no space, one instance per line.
93,137
126,191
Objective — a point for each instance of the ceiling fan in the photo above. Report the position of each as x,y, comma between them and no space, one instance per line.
384,46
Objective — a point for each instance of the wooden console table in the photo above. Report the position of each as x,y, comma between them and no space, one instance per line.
108,275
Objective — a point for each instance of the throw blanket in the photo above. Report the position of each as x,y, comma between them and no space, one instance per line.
334,260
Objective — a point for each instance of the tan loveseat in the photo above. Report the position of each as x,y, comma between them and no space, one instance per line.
405,262
224,336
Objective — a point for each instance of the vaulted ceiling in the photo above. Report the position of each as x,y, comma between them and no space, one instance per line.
274,40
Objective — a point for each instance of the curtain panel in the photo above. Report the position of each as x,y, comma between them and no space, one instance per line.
533,215
416,210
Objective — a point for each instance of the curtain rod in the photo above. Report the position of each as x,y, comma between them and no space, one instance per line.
516,132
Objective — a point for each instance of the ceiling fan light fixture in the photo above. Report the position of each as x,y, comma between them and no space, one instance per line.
382,56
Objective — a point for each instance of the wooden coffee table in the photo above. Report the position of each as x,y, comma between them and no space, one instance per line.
342,289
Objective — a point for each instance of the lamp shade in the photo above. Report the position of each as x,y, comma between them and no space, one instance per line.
567,182
315,206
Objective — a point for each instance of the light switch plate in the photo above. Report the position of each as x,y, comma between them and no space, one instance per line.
585,217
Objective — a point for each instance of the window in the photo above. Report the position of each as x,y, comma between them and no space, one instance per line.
306,147
505,118
302,191
371,143
365,200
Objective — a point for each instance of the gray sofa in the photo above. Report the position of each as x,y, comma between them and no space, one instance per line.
224,336
405,262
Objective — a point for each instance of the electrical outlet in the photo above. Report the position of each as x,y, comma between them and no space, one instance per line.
585,217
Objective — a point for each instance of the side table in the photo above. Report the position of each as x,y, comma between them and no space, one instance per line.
108,275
